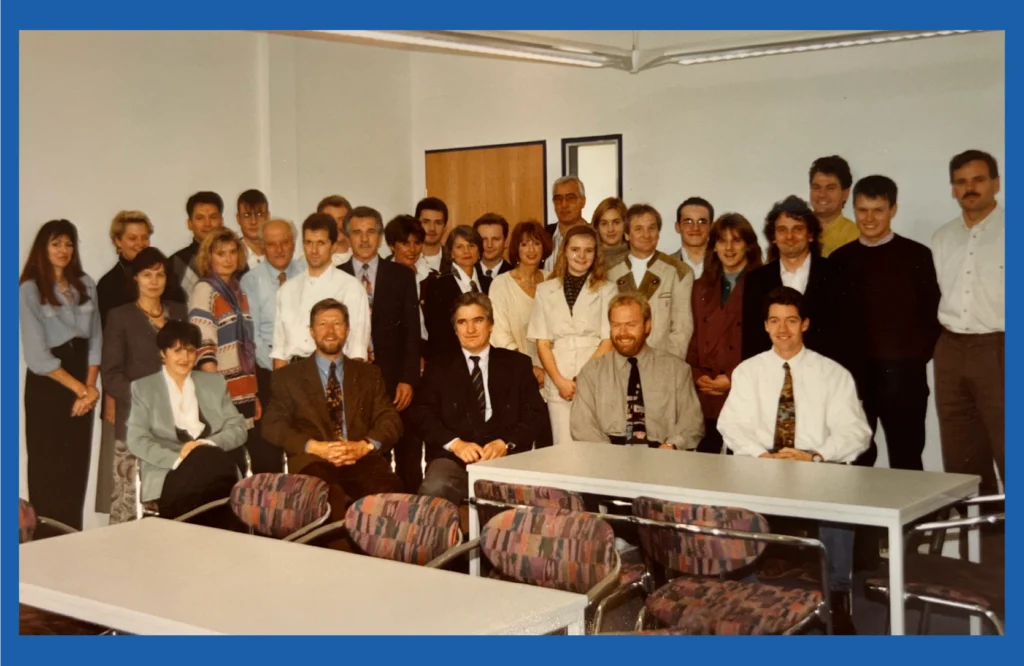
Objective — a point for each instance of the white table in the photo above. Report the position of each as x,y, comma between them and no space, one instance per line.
161,577
840,493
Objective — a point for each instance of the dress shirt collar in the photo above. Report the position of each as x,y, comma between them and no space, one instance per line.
622,362
793,362
323,366
485,357
997,214
359,263
888,237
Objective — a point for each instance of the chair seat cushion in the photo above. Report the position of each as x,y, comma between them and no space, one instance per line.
710,606
951,579
631,573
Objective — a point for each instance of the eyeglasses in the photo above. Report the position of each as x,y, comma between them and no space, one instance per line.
689,221
567,198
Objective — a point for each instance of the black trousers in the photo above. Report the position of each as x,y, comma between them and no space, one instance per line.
712,440
208,473
408,453
265,456
58,445
895,393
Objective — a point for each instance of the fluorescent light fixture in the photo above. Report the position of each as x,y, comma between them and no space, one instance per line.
494,47
803,46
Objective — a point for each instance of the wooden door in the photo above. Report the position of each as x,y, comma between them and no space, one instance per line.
510,180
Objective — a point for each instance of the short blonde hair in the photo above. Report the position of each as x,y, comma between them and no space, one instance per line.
627,298
204,264
122,220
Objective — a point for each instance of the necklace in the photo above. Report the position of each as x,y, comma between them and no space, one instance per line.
150,314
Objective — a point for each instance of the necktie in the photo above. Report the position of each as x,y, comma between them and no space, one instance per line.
473,288
477,378
489,272
281,278
336,403
785,421
636,422
369,295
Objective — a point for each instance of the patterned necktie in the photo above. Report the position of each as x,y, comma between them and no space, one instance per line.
785,421
477,377
336,403
369,295
636,421
281,278
473,288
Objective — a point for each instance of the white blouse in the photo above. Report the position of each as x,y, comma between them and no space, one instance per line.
512,310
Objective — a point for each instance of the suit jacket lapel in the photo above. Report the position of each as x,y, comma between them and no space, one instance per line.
497,382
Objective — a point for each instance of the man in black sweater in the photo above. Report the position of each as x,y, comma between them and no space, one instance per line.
897,296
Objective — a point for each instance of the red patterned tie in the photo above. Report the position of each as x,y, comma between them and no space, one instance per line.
369,296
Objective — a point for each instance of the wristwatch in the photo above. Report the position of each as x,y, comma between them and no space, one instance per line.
509,446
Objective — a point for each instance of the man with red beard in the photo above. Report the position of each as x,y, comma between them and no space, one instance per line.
638,395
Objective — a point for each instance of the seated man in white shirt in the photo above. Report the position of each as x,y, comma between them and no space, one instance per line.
791,403
320,280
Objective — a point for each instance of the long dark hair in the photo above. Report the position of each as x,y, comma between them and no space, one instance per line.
39,269
738,225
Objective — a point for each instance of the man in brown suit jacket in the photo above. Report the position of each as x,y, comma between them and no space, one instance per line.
333,417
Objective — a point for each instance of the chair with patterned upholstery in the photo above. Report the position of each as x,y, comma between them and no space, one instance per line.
548,547
149,508
280,506
413,529
934,580
35,621
696,549
491,497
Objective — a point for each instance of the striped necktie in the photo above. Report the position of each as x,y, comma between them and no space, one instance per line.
369,296
477,377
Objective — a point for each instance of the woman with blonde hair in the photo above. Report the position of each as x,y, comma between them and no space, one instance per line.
220,309
610,221
569,322
513,293
716,347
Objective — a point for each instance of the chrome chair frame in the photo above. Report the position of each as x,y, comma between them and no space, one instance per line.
596,596
824,610
940,527
141,511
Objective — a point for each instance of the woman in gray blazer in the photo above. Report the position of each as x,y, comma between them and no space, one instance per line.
182,424
130,353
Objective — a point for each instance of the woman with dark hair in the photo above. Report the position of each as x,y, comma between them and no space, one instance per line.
181,425
61,339
129,353
569,322
610,221
220,309
439,293
716,347
512,293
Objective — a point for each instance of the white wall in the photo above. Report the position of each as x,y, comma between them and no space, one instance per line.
114,120
740,134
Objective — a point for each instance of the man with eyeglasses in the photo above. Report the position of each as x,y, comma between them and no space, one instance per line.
252,212
569,197
693,224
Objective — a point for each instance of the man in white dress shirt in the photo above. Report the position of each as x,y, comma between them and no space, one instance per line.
320,280
791,403
969,254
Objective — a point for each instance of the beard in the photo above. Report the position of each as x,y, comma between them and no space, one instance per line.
628,347
330,348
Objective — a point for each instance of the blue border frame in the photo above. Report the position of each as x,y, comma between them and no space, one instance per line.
599,14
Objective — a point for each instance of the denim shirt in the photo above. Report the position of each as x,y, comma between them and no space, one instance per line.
45,326
260,286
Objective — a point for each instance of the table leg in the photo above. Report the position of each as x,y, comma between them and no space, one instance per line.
474,533
974,555
897,604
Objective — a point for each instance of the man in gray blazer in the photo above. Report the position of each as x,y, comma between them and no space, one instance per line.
182,424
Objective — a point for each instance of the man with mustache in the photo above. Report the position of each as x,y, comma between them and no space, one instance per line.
969,255
638,395
333,416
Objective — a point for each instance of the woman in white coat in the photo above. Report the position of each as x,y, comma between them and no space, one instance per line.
569,322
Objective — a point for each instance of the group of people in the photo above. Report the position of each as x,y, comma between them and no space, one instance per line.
471,342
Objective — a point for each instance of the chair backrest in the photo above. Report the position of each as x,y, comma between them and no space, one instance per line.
556,548
698,554
278,505
27,521
514,493
407,528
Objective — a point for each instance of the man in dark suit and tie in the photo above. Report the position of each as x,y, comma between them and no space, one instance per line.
493,230
476,404
332,415
394,328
